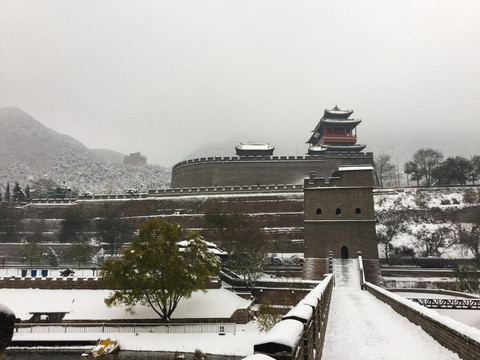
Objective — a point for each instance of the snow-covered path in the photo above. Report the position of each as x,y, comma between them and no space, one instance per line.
362,327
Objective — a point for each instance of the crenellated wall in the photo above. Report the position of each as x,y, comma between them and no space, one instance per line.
251,170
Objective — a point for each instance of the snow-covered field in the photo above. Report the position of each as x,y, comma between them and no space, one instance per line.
238,344
89,304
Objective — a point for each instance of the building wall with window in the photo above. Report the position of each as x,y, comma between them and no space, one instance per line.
339,214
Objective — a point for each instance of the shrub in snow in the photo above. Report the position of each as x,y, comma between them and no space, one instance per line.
267,317
51,257
199,355
421,199
466,279
471,196
99,258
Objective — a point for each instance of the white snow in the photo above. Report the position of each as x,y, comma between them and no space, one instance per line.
254,146
301,311
240,344
286,332
258,357
362,327
309,300
89,304
457,326
355,168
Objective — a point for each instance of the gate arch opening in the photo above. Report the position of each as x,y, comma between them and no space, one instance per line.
344,252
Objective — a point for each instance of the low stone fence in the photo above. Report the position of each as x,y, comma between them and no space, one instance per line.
15,282
457,337
67,283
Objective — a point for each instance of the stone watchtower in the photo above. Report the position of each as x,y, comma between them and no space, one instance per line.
339,217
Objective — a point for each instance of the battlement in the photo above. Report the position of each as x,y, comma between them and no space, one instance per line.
226,189
259,170
338,155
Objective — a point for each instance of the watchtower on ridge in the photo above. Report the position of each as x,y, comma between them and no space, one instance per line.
339,217
335,132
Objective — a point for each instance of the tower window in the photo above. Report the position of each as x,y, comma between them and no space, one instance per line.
338,211
358,211
319,211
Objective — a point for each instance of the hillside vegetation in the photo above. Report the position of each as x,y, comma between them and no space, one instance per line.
30,151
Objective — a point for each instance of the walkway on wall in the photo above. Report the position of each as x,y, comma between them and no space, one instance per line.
362,327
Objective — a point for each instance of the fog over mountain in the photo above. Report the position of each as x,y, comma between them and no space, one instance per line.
30,151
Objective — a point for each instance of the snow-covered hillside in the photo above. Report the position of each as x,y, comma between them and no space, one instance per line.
30,151
430,209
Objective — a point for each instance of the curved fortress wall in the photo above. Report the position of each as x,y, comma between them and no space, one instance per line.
239,171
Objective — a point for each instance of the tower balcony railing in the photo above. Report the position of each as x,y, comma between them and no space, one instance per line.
339,139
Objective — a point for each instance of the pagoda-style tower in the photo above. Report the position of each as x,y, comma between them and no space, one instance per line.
335,132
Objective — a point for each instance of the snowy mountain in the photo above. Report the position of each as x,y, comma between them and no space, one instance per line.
30,151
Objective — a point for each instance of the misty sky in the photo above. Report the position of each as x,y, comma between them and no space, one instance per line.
166,77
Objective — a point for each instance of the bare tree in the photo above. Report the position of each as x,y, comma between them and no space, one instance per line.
384,167
390,225
468,236
434,240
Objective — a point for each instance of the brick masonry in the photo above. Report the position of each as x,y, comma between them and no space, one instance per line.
339,217
238,171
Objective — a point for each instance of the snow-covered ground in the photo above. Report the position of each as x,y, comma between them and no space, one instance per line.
362,327
89,304
238,344
467,317
442,198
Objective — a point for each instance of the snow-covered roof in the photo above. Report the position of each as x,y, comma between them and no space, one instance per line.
337,111
287,333
258,357
254,146
211,247
355,167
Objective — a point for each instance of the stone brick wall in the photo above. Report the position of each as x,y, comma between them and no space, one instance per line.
339,213
238,171
466,347
66,283
280,214
50,283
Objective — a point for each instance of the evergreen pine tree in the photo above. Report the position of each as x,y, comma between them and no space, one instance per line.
7,192
27,192
18,194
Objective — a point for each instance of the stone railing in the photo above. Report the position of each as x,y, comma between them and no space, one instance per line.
457,337
301,333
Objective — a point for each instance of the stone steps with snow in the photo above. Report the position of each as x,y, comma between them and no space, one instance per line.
346,273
